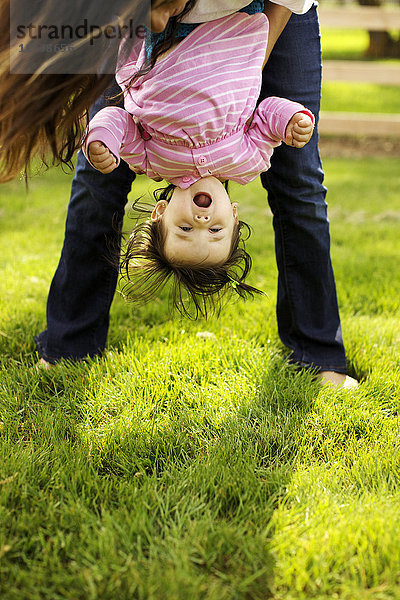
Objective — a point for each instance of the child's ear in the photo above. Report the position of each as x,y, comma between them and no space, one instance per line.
235,211
159,210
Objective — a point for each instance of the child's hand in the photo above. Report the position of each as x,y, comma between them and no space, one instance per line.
101,158
299,130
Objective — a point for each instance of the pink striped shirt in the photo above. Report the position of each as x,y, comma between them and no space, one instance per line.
195,103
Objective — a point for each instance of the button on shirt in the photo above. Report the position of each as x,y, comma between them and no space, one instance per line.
195,103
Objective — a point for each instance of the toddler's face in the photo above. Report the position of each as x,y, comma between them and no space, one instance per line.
162,11
198,224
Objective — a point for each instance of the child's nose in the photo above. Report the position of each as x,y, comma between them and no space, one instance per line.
202,217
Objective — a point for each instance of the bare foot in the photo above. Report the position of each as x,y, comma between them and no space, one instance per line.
43,364
337,380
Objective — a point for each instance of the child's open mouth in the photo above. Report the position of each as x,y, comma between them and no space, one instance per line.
202,200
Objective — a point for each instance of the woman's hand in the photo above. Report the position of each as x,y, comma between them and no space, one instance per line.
101,157
299,130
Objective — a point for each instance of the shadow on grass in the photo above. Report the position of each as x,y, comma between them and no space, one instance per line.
187,489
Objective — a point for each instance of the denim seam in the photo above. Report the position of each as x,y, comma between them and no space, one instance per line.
288,288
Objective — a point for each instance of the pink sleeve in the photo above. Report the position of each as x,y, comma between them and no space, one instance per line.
117,130
272,117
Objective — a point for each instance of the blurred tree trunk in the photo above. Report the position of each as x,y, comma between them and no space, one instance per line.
381,43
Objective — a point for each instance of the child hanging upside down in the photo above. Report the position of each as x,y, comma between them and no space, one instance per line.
192,120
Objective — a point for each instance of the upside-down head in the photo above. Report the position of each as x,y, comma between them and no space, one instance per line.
195,237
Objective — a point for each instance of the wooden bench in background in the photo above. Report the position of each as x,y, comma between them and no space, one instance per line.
384,73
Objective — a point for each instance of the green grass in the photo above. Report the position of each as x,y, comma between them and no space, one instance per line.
345,44
360,97
177,467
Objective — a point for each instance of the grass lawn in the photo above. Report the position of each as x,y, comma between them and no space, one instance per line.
181,467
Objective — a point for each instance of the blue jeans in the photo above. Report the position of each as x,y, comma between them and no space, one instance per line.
307,309
83,287
84,283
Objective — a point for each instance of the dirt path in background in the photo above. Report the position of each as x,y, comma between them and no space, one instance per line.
358,147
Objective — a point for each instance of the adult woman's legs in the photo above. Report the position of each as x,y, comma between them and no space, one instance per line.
83,286
307,310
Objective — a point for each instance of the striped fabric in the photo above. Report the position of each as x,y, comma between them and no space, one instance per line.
195,104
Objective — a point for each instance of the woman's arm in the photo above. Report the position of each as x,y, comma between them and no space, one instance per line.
278,16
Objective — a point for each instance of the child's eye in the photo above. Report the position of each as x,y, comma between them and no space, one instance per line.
184,228
215,229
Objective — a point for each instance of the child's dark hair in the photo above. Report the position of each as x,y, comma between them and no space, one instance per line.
145,268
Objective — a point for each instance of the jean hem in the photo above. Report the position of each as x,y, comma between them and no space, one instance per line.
42,353
70,357
310,366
